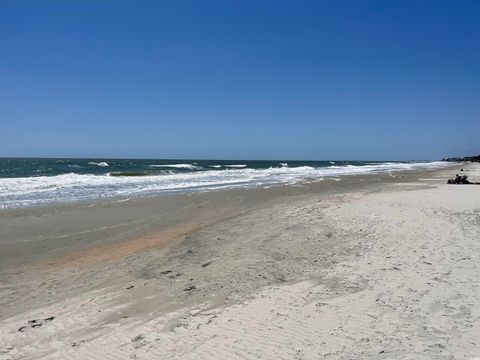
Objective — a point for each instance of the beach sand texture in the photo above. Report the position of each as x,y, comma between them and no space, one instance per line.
389,270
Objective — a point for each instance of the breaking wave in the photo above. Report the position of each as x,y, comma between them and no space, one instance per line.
176,166
26,191
101,163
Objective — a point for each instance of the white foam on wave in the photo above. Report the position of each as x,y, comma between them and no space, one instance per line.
101,163
177,166
18,192
231,166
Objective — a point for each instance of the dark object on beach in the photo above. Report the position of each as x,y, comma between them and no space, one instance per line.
36,323
138,338
190,288
130,287
174,276
461,180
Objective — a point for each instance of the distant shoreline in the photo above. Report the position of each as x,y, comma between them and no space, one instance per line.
463,158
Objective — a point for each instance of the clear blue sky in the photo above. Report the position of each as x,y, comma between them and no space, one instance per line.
240,79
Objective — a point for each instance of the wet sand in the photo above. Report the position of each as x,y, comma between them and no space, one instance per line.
377,266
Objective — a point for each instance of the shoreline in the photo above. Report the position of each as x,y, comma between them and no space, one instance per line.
158,268
74,188
118,219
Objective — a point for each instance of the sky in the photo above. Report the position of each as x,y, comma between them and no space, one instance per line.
325,79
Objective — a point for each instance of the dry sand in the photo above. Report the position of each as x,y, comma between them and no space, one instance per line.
381,267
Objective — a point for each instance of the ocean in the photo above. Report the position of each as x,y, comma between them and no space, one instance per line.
34,181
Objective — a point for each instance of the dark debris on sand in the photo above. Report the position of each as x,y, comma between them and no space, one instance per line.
461,180
36,323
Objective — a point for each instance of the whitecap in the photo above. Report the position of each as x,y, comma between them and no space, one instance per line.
101,163
231,166
176,166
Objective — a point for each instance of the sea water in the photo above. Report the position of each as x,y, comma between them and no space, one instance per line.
34,181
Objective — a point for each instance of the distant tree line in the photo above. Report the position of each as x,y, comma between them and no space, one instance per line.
464,158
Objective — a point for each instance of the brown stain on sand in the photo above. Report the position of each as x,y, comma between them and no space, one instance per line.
121,250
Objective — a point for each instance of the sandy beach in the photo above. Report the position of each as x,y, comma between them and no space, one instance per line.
372,266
